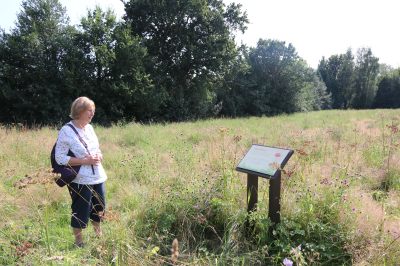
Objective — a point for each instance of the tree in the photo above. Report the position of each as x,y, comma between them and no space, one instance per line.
32,56
4,105
314,94
232,97
96,45
133,87
388,94
190,44
113,69
366,74
281,80
385,70
338,74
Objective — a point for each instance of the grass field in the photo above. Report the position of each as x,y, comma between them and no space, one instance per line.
340,194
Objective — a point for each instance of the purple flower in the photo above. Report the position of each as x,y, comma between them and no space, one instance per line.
287,262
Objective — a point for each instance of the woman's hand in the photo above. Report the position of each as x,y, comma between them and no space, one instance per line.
100,156
93,159
88,160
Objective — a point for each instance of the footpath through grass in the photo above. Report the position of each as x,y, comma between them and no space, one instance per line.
340,194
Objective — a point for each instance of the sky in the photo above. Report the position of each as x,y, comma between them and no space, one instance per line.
316,28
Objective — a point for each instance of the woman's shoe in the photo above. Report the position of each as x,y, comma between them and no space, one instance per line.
80,245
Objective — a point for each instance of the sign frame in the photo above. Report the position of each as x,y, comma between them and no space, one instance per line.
264,175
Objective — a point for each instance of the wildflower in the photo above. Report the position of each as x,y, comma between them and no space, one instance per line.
223,130
237,138
23,249
325,181
201,219
301,152
345,183
287,262
393,128
296,250
289,173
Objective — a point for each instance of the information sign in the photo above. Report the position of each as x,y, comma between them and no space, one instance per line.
264,161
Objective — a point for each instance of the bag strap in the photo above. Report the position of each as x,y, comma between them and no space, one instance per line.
82,141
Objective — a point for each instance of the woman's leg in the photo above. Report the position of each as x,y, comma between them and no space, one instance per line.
98,207
97,228
80,195
78,236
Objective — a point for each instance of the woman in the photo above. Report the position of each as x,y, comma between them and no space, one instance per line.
87,189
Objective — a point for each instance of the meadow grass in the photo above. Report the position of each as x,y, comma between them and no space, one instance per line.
340,194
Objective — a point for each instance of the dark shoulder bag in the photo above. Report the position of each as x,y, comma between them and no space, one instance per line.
67,172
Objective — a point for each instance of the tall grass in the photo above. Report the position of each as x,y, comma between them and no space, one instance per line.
340,194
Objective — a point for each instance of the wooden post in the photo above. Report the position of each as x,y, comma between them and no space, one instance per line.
274,209
252,192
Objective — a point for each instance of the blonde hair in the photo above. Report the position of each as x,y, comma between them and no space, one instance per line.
80,105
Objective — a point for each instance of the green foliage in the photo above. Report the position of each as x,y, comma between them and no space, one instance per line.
190,46
197,213
232,94
310,235
281,81
374,156
352,82
392,180
33,56
367,70
388,94
311,242
47,64
338,74
275,78
114,69
169,61
313,94
133,88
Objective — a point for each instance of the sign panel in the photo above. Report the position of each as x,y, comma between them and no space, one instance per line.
264,161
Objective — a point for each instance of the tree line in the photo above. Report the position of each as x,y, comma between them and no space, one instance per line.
361,82
171,61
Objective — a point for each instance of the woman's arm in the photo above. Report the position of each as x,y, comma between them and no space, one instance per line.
61,153
96,141
62,148
89,159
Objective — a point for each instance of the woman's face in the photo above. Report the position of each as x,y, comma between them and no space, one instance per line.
87,115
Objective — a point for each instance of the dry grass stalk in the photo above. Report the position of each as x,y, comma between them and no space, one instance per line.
41,176
175,251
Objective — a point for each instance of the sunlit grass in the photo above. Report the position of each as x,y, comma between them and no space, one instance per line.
340,194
